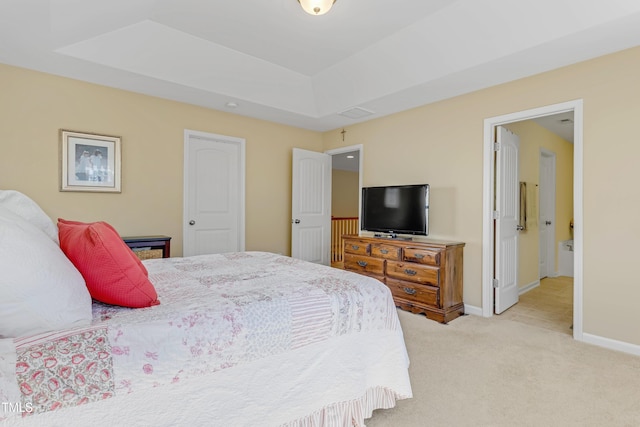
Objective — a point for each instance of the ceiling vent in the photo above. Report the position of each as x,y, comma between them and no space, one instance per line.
356,113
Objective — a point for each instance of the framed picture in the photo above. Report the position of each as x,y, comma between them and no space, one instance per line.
89,162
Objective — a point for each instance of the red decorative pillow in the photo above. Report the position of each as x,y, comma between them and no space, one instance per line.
113,273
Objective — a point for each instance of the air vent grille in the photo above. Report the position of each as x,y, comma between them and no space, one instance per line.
356,113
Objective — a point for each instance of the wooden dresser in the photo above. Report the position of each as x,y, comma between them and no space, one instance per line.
424,277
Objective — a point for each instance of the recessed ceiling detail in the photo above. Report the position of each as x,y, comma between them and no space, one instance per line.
289,67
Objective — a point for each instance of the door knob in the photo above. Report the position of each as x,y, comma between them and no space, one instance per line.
519,227
192,222
296,221
547,222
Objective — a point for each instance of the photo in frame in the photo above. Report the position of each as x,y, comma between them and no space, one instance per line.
89,162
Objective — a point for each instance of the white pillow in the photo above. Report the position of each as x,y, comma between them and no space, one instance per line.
40,289
29,210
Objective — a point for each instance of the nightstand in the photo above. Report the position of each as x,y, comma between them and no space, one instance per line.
148,247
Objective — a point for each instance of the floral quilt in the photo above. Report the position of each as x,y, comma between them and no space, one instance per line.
216,312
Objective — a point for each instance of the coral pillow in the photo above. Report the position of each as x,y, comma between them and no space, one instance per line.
112,272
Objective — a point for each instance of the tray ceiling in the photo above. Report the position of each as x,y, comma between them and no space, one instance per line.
364,59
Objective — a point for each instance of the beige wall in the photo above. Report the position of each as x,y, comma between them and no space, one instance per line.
34,106
442,144
439,143
344,193
533,138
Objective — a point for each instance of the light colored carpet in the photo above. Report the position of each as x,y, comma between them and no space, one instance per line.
495,371
548,306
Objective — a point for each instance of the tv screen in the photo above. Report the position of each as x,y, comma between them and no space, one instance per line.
400,209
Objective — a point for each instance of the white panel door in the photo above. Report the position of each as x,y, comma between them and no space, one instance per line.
506,227
547,191
311,206
214,194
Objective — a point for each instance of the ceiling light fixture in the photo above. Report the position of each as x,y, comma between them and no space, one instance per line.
316,7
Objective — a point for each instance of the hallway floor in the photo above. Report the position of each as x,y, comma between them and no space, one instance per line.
548,306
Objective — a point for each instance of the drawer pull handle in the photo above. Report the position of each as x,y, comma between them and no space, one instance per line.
362,263
419,256
355,247
384,251
410,272
410,291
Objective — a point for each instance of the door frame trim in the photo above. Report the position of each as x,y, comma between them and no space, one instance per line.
241,143
488,195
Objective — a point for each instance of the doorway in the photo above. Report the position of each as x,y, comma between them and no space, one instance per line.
346,188
303,189
489,195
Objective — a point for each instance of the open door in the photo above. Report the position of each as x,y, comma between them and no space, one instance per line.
311,206
506,216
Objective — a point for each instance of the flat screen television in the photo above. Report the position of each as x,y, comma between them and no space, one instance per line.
398,209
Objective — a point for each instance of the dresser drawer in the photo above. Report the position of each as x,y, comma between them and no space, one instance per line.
414,272
386,251
364,264
422,256
357,247
411,271
414,292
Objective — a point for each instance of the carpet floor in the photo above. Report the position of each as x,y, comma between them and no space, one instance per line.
503,371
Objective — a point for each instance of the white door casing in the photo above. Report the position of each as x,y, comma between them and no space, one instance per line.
507,218
214,189
547,208
488,198
311,206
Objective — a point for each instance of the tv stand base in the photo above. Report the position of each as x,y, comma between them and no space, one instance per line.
392,236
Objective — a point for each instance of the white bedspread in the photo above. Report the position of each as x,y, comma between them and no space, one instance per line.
242,339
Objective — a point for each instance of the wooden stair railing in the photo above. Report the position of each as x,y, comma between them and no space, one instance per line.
339,227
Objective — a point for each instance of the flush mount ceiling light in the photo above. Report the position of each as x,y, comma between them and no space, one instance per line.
316,7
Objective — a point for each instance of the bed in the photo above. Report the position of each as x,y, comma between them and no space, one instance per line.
237,339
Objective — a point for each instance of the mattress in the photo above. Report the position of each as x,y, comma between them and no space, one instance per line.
239,339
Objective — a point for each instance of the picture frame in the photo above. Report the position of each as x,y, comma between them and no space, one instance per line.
90,162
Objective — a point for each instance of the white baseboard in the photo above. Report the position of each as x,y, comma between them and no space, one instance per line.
477,311
599,341
607,343
527,288
471,309
611,344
